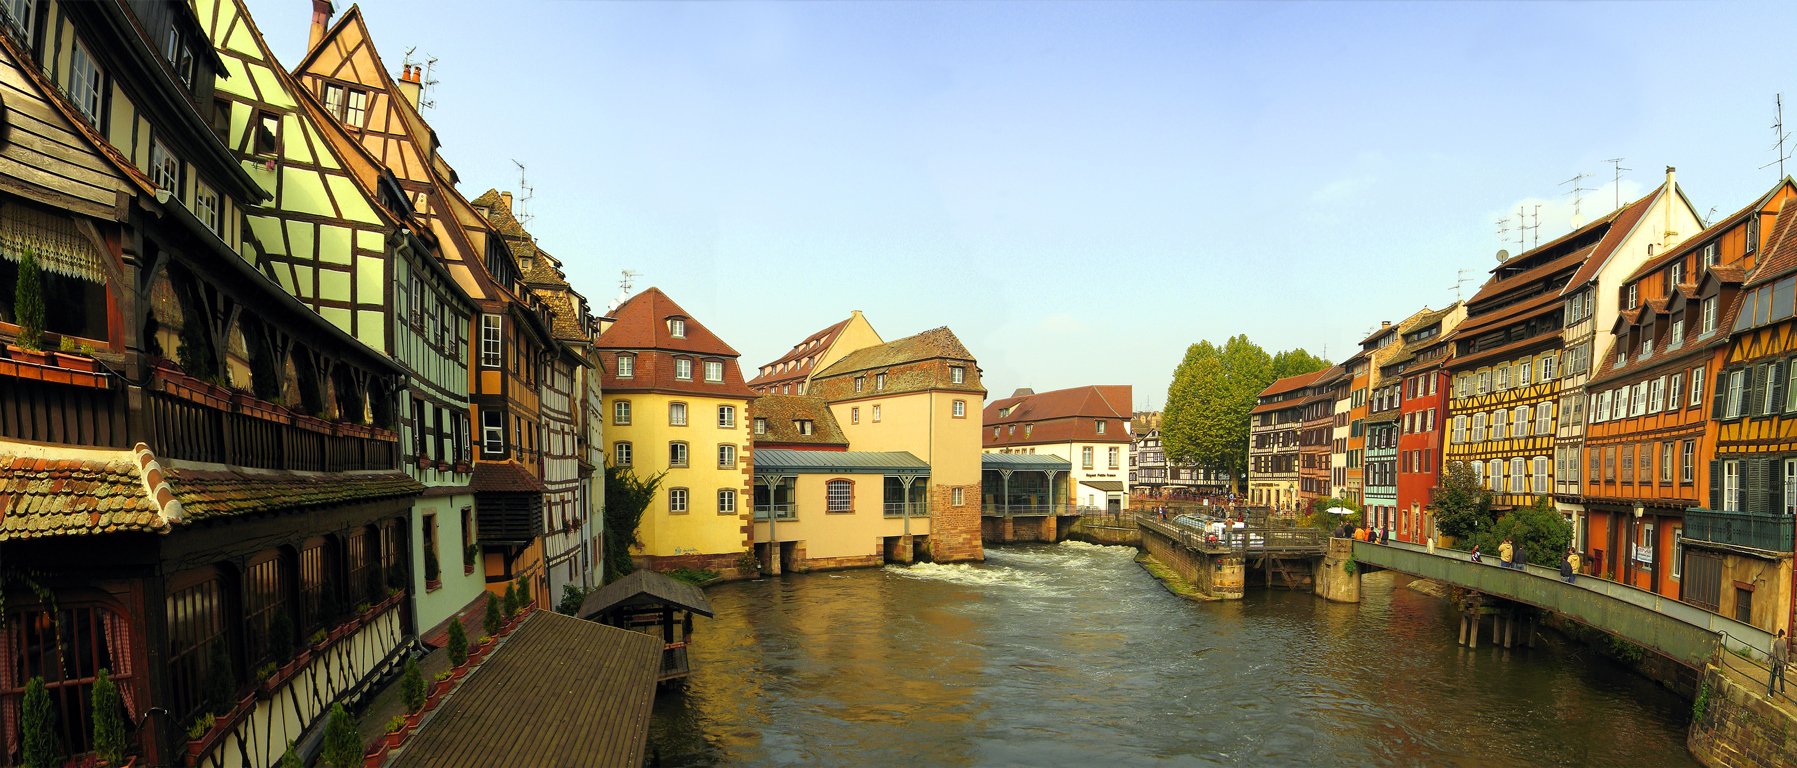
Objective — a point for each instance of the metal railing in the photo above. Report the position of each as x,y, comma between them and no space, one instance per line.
896,509
1031,510
1307,540
779,511
1755,665
1742,529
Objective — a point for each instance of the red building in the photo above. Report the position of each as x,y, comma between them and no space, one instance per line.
1421,423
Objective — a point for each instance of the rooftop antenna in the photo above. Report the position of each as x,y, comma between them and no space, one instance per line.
1522,230
623,291
1460,279
1503,229
1578,195
424,89
1616,162
1778,130
523,213
1709,217
1535,226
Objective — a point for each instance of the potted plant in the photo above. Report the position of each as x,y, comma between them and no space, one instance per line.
290,758
319,640
433,573
76,356
268,678
373,758
109,721
397,730
470,554
457,646
511,609
524,598
221,682
196,735
413,687
481,649
491,621
28,307
38,726
439,688
342,744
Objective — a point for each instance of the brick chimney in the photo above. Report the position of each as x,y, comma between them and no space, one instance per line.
505,199
1671,235
409,85
321,21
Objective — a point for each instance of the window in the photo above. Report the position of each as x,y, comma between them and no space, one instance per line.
85,83
726,501
676,501
626,366
1503,377
1429,422
1085,457
1731,486
1687,465
621,454
879,381
1519,425
165,168
683,369
859,381
760,425
957,497
1478,427
1482,382
677,454
714,371
1672,386
1733,403
492,431
726,416
1656,395
676,414
839,496
855,418
356,113
1710,255
1518,475
802,426
1541,484
268,133
333,100
1550,366
1790,506
1116,453
1753,234
960,409
1459,430
1522,373
489,341
1628,464
196,622
22,14
1495,475
1498,425
1678,332
1666,462
620,412
1544,419
957,374
677,328
1697,386
205,206
1709,314
1099,426
1632,298
726,457
877,418
1609,463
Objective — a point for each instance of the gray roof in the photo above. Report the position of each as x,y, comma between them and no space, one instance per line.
817,462
645,587
1024,461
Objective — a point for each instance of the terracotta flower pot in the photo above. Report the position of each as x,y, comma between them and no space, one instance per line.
77,362
455,673
376,755
21,355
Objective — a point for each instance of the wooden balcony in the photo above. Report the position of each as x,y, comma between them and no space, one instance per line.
50,404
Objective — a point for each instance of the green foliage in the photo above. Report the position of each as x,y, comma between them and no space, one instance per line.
1321,518
202,723
342,744
1702,704
572,597
492,621
691,576
1462,505
413,686
1349,566
469,554
1624,650
1205,421
458,643
511,601
28,304
89,349
267,671
523,592
221,680
626,497
38,726
69,345
397,724
109,720
291,758
1539,529
317,638
432,571
195,352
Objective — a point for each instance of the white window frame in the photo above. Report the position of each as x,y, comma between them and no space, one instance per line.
1478,428
726,416
356,114
620,413
683,369
492,436
1731,485
679,454
492,342
1709,314
626,366
960,409
677,327
714,371
1678,332
1544,418
677,501
1731,408
726,501
1542,484
1687,470
726,456
1697,386
86,82
1519,475
676,414
205,207
957,374
1656,395
622,453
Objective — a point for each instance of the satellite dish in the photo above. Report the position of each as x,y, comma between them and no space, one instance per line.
1578,220
1503,255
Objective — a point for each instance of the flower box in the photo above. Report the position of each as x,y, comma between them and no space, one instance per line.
463,467
423,462
23,356
442,466
456,673
467,568
376,755
396,738
432,585
312,423
77,362
250,405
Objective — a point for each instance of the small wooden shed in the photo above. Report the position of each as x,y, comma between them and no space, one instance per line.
646,601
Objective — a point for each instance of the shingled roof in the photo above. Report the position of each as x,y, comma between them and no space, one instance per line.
931,344
814,345
781,411
1290,383
1779,258
642,324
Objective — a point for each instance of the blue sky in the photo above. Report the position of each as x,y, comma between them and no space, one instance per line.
1079,190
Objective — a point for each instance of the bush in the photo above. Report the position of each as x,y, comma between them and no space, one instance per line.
28,305
691,576
1462,505
432,571
511,601
492,621
469,554
38,723
109,720
291,758
397,724
572,597
458,642
342,744
1538,529
414,686
221,680
523,592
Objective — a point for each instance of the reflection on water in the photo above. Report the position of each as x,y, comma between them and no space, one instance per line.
1071,655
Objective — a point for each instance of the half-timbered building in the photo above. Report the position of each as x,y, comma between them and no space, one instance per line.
1274,438
1316,441
205,499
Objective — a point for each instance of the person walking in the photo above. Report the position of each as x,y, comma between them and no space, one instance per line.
1781,655
1475,557
1573,555
1567,569
1522,557
1506,553
1385,534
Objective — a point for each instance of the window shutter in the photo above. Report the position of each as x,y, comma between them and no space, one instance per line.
1717,393
1715,484
1775,486
1775,384
1756,486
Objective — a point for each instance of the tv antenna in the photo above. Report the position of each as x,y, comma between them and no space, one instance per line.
1616,162
424,89
1709,217
1460,279
527,192
1503,229
1522,230
624,284
1535,226
1778,130
1578,196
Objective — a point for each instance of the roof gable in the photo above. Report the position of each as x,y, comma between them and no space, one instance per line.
642,323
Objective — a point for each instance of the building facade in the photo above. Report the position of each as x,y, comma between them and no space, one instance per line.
1420,370
1275,430
1088,426
1326,412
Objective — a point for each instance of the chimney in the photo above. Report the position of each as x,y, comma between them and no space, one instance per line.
1671,236
1383,324
321,20
409,85
505,199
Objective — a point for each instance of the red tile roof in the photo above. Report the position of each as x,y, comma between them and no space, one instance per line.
220,493
1702,237
1510,314
1527,278
1622,222
642,323
1099,401
1779,257
65,497
781,411
504,477
1289,383
814,345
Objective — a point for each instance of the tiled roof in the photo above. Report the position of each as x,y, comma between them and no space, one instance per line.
504,477
642,324
780,412
812,347
1277,406
1623,222
1499,286
931,344
656,371
68,497
1510,314
1698,240
1780,254
1290,383
220,493
1096,401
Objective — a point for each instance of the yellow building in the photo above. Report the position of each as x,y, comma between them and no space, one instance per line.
791,374
676,403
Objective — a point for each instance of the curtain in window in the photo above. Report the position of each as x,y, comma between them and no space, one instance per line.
59,247
118,643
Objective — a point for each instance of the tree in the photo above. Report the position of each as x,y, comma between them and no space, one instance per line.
1462,505
572,597
1296,362
342,744
109,720
1539,529
626,498
1206,418
511,601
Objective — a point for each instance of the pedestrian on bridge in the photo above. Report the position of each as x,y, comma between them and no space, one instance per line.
1781,656
1506,554
1567,568
1522,557
1475,557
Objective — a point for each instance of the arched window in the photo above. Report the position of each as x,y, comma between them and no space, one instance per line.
265,587
85,635
839,496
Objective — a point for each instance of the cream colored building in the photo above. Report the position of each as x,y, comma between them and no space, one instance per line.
1088,426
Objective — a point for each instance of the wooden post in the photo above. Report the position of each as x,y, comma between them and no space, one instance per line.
1529,628
1509,629
1462,628
1474,640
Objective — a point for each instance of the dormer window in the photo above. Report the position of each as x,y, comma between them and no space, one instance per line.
1710,255
1646,346
802,426
1676,274
683,369
1753,233
677,327
879,381
1678,331
1099,426
626,366
859,382
957,374
714,371
760,425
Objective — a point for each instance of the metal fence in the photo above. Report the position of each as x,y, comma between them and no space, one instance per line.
1309,540
1756,668
1032,510
779,511
1741,529
898,509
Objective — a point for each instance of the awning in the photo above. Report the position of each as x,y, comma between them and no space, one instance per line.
559,691
1108,486
59,246
783,460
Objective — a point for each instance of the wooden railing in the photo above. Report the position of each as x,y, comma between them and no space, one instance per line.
187,430
50,405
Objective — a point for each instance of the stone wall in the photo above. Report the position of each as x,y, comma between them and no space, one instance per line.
1332,580
1736,727
1215,575
955,531
1129,535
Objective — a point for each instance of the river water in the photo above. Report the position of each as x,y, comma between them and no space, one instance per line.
1071,654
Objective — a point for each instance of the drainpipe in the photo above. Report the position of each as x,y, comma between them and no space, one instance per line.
773,541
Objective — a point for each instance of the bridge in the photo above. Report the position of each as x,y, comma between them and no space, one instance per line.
1677,630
